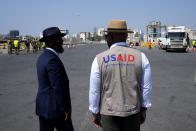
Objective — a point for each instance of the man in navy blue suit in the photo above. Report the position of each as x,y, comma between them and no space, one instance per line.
53,103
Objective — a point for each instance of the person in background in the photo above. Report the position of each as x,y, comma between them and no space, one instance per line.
16,46
159,44
188,40
27,43
193,44
43,45
149,44
10,46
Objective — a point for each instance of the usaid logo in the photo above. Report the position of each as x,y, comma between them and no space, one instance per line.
119,57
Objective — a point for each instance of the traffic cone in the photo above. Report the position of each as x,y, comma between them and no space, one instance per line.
187,49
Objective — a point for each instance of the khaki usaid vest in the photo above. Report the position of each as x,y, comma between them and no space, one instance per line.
121,75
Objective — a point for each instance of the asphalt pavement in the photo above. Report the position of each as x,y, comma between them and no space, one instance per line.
173,94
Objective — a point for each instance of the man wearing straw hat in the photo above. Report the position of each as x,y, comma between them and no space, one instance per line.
120,83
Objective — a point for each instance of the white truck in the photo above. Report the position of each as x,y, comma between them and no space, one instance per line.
163,42
176,39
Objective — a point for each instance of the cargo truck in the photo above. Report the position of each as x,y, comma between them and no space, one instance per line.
176,39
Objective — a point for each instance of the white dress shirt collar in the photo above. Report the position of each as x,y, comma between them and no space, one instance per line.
119,44
52,51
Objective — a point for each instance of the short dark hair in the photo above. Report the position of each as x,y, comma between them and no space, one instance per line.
120,37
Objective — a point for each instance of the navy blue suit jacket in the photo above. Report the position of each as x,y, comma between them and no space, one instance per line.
53,97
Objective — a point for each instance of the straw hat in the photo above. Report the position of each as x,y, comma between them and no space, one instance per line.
119,26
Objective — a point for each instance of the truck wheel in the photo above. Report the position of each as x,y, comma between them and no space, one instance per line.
167,50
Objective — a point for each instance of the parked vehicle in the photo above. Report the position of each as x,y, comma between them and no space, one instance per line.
176,39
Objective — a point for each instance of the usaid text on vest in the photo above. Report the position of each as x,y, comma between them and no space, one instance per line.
119,57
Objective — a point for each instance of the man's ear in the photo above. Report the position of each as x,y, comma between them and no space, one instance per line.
110,38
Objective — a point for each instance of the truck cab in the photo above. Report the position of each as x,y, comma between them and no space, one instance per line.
176,39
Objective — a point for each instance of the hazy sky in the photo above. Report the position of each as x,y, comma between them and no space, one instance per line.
32,16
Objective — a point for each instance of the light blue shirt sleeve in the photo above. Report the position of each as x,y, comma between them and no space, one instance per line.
95,85
146,84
